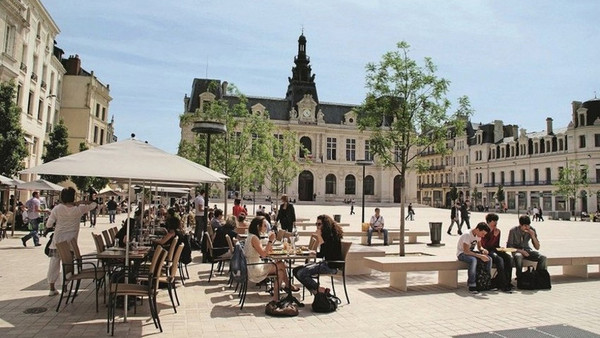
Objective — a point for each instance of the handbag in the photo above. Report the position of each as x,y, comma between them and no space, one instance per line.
325,302
282,308
47,248
365,227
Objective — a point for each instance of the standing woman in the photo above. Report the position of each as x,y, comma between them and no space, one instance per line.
65,219
329,237
286,214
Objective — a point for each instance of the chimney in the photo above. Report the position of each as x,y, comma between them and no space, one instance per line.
498,131
186,103
73,65
515,131
575,105
549,130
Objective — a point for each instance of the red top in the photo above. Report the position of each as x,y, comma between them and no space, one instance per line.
491,242
238,209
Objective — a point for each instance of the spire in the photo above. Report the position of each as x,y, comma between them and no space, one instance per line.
302,81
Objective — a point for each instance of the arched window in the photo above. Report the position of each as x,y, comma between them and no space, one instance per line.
306,145
369,185
330,185
350,185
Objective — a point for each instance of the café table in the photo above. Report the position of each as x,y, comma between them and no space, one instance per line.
289,257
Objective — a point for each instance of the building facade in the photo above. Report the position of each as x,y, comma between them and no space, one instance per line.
327,130
49,88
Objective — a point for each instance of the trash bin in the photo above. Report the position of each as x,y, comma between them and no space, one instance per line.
435,233
337,218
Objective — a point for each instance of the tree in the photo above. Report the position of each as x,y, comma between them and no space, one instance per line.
84,183
56,148
12,141
406,111
283,168
453,194
572,180
500,197
246,153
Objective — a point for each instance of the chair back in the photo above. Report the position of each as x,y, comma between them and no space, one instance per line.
107,239
209,244
175,264
66,257
113,234
76,251
345,249
229,243
172,248
98,242
157,271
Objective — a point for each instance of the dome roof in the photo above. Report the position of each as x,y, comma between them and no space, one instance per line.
593,111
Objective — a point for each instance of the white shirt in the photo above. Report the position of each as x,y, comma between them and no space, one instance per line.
65,219
199,205
377,221
468,238
32,205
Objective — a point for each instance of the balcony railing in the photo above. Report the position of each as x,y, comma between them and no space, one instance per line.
521,183
34,76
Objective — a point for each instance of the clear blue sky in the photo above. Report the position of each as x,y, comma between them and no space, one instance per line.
519,61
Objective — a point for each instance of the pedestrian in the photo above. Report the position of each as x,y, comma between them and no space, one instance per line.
540,216
377,223
465,215
286,215
33,207
93,212
64,218
352,207
411,212
111,206
454,218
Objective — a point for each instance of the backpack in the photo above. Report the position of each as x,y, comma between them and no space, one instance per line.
533,279
238,270
483,278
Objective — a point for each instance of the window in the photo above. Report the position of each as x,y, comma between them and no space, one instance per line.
581,141
493,179
368,154
101,136
502,177
97,109
512,177
369,185
278,146
30,104
397,155
548,176
536,176
523,176
331,148
350,185
9,40
560,144
103,113
95,134
597,140
306,148
40,110
330,186
350,150
34,150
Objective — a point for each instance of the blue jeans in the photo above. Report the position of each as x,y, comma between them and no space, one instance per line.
111,216
93,218
370,234
303,274
33,233
533,256
472,272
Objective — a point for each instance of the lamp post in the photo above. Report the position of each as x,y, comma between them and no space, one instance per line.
209,128
363,163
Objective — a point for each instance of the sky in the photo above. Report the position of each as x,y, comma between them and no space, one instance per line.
517,61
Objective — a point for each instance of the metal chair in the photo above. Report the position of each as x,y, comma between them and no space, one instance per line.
342,268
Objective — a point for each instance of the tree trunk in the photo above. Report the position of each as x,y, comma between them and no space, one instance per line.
402,221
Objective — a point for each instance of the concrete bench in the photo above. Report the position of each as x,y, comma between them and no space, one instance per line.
393,235
355,264
447,267
303,225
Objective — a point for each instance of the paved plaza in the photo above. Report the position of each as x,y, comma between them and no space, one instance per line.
376,310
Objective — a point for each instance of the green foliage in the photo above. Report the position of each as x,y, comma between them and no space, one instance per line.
246,153
57,147
12,143
572,180
500,194
453,193
282,167
406,110
81,182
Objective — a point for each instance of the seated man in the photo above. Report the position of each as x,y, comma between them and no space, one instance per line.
465,253
518,238
502,260
376,224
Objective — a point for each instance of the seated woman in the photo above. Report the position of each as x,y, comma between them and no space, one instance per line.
254,252
122,233
173,225
329,235
221,247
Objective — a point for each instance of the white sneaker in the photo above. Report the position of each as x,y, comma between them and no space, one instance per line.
53,293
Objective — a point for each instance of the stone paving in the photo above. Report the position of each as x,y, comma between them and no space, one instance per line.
376,310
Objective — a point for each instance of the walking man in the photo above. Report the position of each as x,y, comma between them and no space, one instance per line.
352,207
465,215
199,215
111,206
454,218
33,213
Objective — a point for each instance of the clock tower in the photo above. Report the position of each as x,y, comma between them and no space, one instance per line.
302,91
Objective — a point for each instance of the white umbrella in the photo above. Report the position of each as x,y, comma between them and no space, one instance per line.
9,181
39,185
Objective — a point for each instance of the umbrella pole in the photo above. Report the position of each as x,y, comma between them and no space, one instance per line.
126,240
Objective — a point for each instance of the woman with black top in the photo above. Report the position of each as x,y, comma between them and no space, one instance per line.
329,236
221,247
286,215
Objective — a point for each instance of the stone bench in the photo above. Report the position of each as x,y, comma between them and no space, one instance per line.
393,235
303,225
447,267
355,264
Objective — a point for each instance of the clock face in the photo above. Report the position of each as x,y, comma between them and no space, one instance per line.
306,113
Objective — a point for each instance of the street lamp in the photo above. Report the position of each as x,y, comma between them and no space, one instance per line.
209,128
363,163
